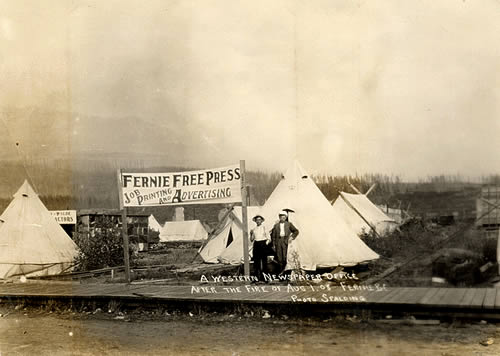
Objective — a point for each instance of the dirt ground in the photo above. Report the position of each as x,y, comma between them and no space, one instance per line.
32,331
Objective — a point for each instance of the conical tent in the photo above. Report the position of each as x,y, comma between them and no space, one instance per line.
324,239
153,223
362,215
32,243
188,230
225,244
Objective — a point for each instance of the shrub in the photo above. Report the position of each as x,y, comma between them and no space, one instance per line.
103,247
411,237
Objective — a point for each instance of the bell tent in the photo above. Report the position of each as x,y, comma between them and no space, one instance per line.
225,244
362,215
188,230
324,240
153,223
32,243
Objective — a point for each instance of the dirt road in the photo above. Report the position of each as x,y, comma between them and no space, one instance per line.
36,332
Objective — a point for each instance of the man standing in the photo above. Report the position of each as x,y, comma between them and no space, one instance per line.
281,234
260,239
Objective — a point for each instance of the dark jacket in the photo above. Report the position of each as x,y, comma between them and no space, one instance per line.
290,231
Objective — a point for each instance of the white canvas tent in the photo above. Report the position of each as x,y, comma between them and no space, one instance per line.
324,238
189,230
362,215
393,213
225,244
153,223
32,243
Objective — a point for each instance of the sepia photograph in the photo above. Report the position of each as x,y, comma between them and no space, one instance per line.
234,177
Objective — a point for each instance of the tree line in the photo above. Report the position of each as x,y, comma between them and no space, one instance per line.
83,184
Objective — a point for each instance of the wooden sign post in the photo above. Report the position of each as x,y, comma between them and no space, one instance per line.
244,213
126,256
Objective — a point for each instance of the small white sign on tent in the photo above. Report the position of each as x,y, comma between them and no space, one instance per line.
64,216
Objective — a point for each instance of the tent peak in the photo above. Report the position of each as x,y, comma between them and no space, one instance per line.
25,191
296,171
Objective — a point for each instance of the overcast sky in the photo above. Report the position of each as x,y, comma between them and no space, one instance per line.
403,87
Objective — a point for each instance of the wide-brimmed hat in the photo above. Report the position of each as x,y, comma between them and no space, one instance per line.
258,216
283,212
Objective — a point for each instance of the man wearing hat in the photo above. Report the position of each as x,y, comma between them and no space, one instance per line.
281,234
260,239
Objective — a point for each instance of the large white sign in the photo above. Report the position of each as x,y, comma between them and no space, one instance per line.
64,216
219,185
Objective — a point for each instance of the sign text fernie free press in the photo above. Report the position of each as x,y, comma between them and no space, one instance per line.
219,185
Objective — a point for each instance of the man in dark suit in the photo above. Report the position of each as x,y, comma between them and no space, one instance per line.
281,234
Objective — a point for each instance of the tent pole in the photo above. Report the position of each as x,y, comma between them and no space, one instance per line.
371,188
123,209
244,213
357,212
352,186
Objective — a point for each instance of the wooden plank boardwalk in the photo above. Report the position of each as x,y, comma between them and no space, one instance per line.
484,301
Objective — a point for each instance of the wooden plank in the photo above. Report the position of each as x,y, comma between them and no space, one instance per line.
386,296
173,291
489,298
444,297
212,297
96,290
175,294
28,288
447,297
410,296
431,292
373,295
334,295
467,298
144,289
58,291
394,297
414,295
497,300
43,290
478,299
378,295
14,289
434,300
268,296
124,292
454,297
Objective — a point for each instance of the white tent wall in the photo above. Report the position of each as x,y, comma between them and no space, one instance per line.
350,217
393,213
214,247
153,223
188,230
233,254
217,250
351,206
32,243
324,240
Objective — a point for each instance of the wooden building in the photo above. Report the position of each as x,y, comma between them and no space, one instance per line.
93,221
488,207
